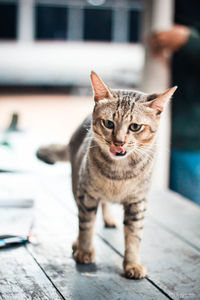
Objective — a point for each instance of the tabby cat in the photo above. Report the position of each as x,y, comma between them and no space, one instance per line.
112,155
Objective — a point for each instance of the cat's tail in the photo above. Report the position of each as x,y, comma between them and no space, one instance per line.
53,153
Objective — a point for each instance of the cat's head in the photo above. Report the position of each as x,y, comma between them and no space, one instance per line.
126,121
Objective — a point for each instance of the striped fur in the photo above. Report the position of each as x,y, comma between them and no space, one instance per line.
99,176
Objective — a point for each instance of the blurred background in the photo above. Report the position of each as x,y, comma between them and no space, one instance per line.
49,47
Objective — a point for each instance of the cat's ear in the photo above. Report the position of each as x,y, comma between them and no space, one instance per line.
159,101
101,91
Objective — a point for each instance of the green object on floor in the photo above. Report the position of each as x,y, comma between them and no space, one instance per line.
5,143
13,123
13,126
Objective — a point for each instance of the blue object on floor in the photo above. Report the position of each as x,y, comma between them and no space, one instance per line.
9,240
185,173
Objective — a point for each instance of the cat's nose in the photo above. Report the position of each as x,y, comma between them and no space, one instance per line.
119,143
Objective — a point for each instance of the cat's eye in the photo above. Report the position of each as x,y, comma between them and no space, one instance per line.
135,127
108,124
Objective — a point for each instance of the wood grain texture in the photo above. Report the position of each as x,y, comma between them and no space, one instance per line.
22,279
177,214
172,264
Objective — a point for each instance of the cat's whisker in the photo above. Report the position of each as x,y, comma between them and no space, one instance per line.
146,150
153,150
144,153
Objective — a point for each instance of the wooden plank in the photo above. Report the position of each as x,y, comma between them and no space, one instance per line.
170,258
22,279
172,264
57,229
177,214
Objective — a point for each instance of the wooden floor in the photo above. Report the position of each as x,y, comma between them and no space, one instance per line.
47,270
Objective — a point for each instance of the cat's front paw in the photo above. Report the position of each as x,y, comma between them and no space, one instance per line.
83,256
135,271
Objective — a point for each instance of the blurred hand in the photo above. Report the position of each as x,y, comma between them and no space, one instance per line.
170,40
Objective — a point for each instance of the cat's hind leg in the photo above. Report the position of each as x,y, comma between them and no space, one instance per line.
109,220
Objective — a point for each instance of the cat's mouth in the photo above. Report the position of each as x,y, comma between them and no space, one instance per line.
117,150
121,153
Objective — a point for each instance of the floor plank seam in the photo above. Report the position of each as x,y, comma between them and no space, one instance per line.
107,243
42,269
180,237
147,278
156,286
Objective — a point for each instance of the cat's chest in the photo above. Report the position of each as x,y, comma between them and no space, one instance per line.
113,183
115,190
